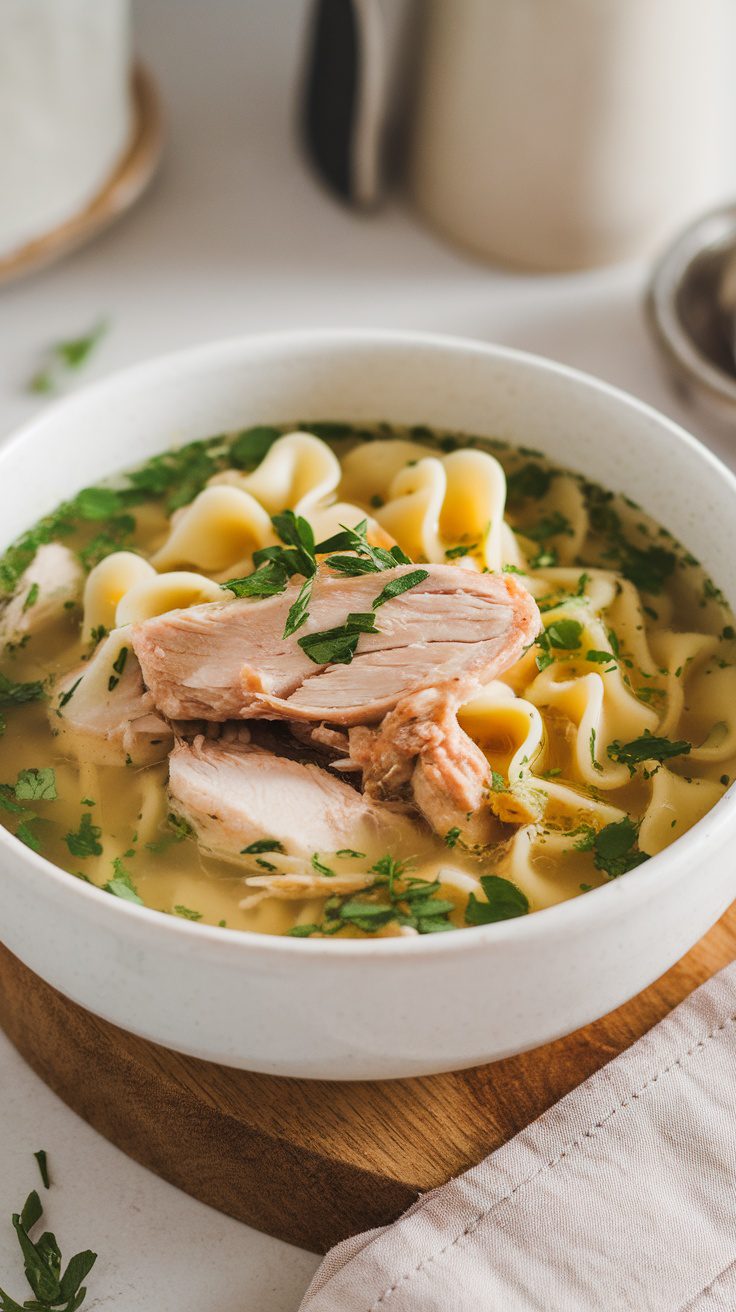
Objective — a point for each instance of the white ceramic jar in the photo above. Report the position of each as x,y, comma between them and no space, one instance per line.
65,110
564,133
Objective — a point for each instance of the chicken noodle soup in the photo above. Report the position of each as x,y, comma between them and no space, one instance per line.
330,681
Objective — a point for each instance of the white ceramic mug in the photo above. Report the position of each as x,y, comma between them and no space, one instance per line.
565,133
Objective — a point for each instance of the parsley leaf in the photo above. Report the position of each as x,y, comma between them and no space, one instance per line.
42,1263
64,357
646,748
530,480
561,635
36,785
337,646
31,597
186,913
27,836
122,884
262,845
615,848
250,446
85,842
399,585
504,901
43,1167
299,612
452,836
15,693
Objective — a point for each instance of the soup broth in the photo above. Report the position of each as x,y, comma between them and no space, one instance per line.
608,738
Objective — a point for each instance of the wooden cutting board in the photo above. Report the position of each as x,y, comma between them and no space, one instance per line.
308,1161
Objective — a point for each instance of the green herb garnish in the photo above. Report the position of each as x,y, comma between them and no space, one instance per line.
64,357
646,748
85,842
338,646
31,597
36,785
504,901
12,693
262,845
561,635
615,848
249,447
452,836
118,665
121,885
43,1166
186,913
42,1262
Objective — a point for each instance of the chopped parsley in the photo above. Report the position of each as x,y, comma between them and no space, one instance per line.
456,553
338,646
262,845
550,526
67,696
31,597
348,851
42,1262
121,885
615,849
12,693
397,586
504,901
530,480
249,447
85,841
452,836
43,1167
561,635
27,836
64,357
320,869
646,748
593,758
118,665
36,785
186,913
410,901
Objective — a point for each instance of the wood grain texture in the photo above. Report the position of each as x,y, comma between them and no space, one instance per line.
308,1161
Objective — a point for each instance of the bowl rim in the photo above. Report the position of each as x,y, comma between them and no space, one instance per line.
573,914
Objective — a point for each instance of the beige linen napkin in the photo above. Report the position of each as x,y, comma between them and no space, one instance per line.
622,1196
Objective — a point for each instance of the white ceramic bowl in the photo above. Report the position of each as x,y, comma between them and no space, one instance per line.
394,1007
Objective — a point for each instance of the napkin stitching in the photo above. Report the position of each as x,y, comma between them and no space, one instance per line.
549,1166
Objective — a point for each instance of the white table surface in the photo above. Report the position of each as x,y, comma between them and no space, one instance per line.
237,237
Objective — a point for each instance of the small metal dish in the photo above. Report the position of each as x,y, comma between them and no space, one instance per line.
691,311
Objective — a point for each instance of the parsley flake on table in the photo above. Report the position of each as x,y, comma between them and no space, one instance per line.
43,1166
42,1263
64,357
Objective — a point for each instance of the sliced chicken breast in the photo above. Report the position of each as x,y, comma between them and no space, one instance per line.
234,795
52,581
457,629
103,711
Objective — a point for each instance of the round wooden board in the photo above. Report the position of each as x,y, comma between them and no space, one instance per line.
307,1161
